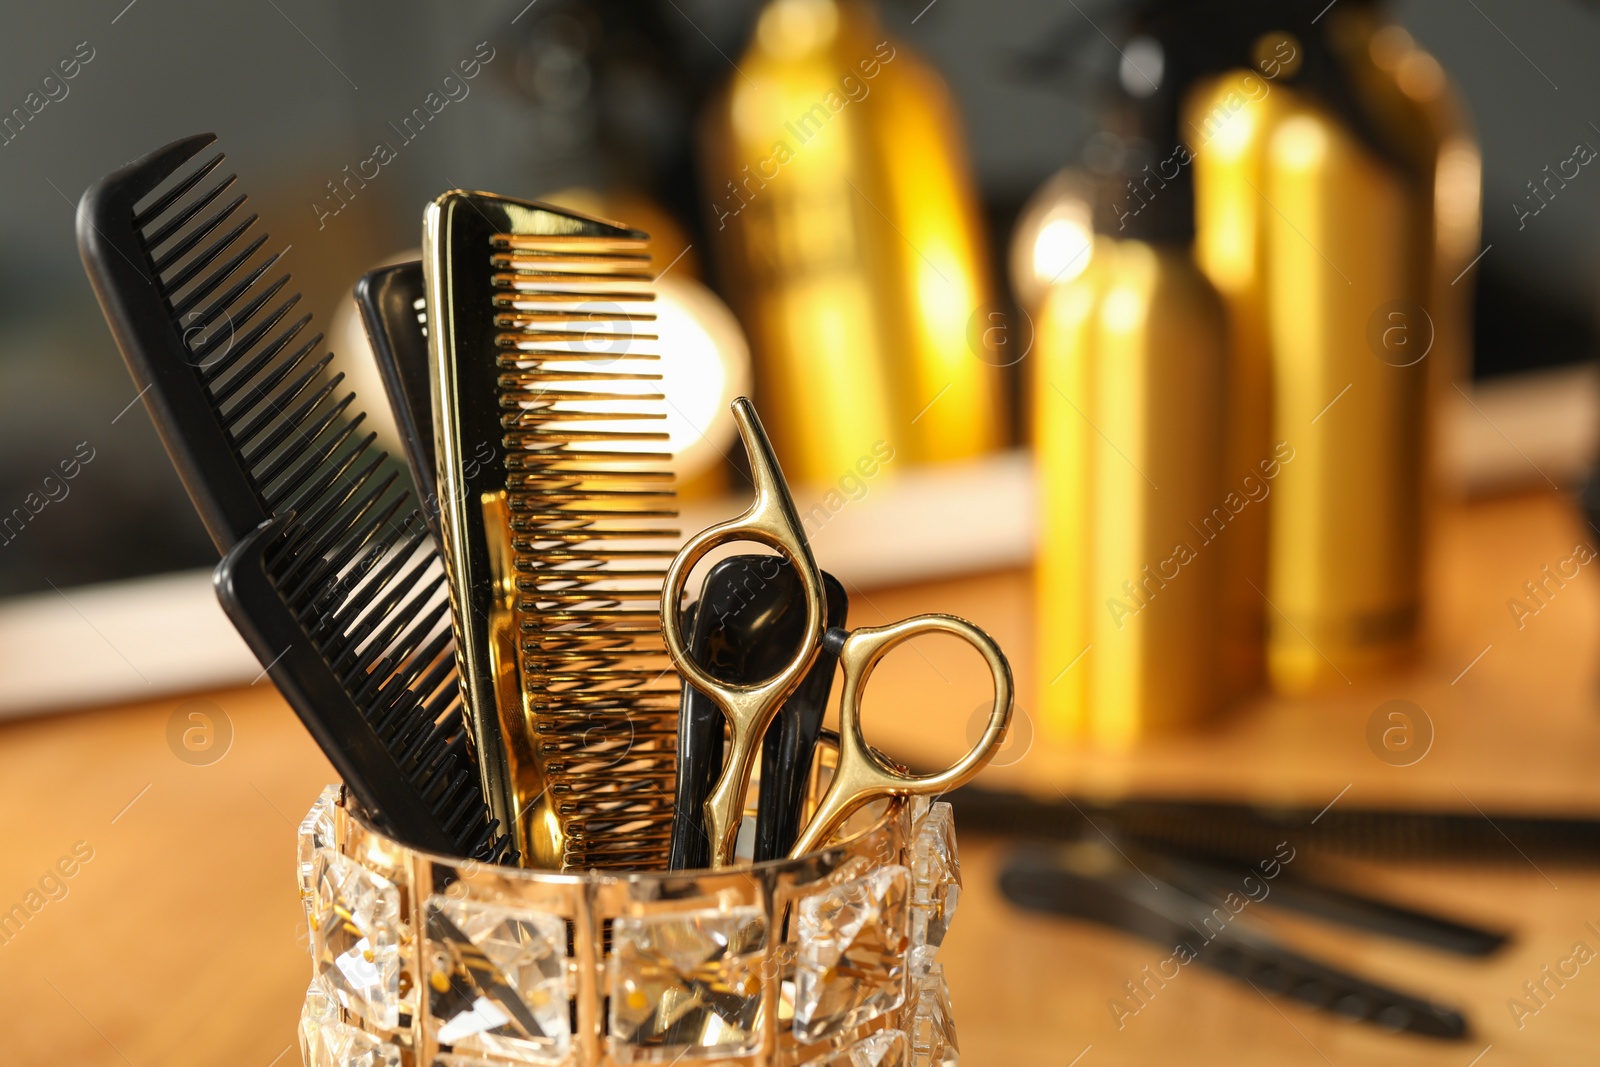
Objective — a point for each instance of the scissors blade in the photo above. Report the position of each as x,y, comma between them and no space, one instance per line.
750,708
791,740
747,622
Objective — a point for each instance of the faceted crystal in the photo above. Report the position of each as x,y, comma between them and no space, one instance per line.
852,959
325,1041
935,876
316,831
916,807
497,979
918,960
355,937
933,1027
687,984
886,1048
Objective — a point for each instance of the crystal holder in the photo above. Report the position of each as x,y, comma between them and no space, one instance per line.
422,960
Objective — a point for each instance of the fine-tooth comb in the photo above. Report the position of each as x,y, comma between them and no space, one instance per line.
553,489
327,569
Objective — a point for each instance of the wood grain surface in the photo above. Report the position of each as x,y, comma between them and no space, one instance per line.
180,941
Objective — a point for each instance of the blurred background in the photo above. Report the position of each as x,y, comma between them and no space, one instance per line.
1232,363
608,96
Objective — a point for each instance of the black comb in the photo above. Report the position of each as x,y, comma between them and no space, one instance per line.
393,304
1242,831
325,573
1097,882
355,624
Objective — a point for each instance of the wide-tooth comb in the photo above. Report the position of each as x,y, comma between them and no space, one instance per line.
356,628
556,545
259,432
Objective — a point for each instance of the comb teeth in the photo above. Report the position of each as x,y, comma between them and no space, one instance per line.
554,493
224,298
371,598
260,431
587,468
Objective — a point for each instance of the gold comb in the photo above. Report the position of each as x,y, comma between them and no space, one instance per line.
555,485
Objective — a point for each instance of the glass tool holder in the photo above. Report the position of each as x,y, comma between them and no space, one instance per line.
421,960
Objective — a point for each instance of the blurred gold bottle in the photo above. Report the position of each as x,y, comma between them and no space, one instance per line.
1412,97
1344,557
846,234
1128,390
1336,262
1227,119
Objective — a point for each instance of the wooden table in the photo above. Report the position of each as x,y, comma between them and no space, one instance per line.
181,941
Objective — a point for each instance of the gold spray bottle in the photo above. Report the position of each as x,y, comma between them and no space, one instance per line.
846,235
1315,212
1411,96
1224,122
1128,392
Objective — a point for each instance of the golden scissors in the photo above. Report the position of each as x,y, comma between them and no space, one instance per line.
861,775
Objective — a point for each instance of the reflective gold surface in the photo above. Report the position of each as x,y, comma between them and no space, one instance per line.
1129,385
859,775
790,961
1414,96
1344,552
1342,272
1230,118
770,520
556,488
846,236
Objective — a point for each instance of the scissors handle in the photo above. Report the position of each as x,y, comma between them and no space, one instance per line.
771,520
861,776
